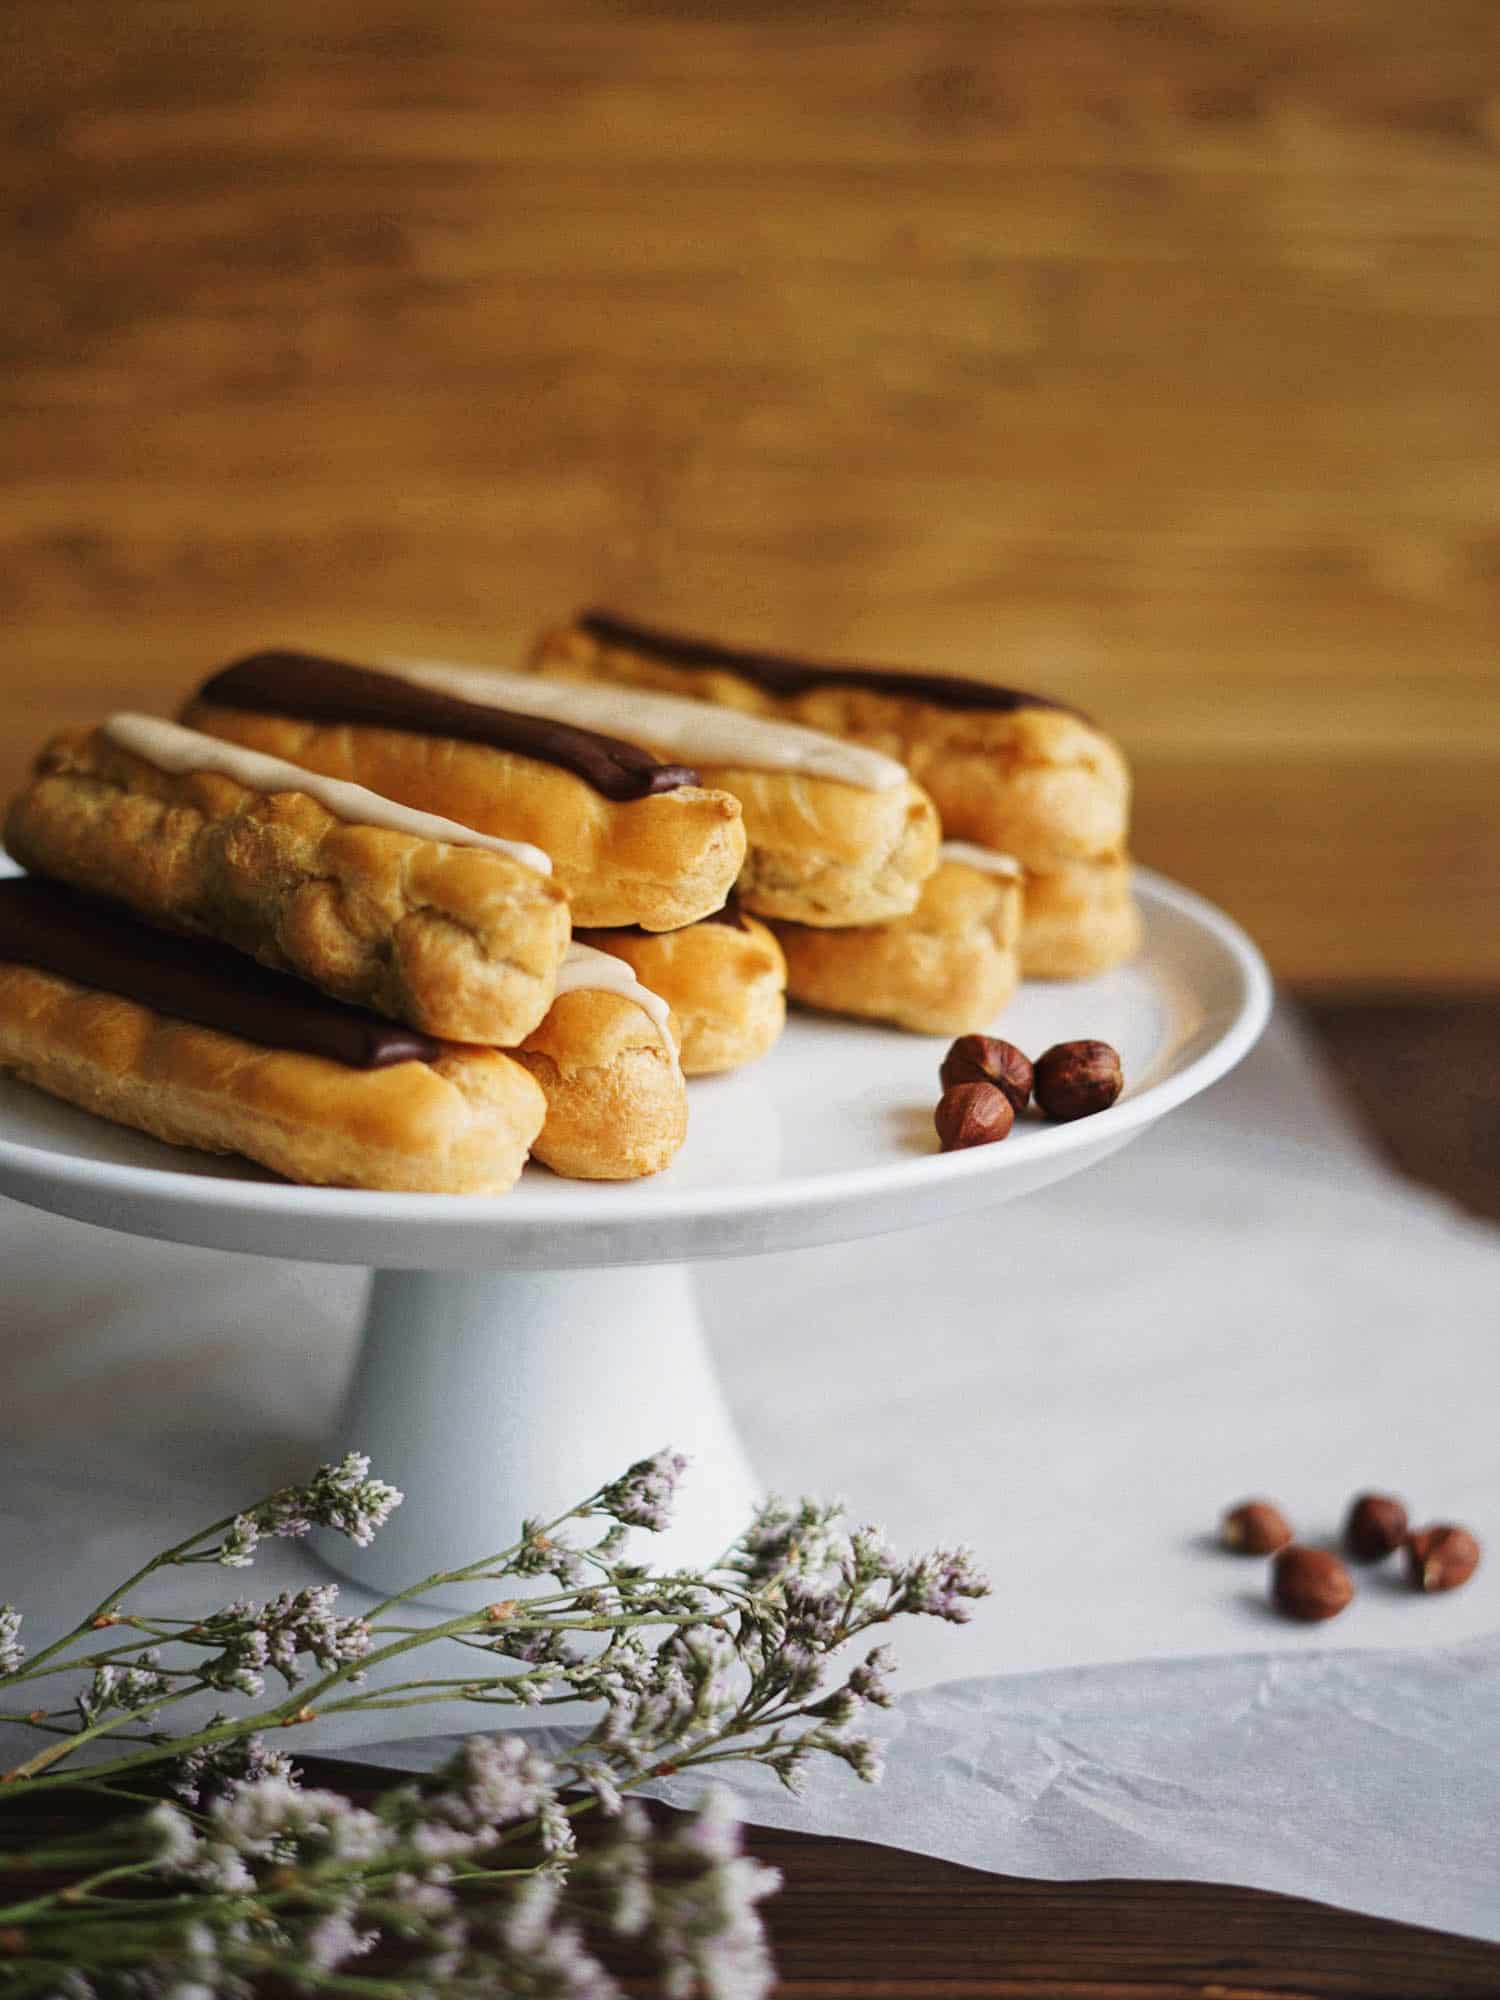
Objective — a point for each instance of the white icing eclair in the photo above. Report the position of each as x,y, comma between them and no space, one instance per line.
724,979
1008,771
606,1059
452,930
947,969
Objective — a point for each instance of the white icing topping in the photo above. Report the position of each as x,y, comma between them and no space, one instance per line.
988,859
584,966
695,732
171,748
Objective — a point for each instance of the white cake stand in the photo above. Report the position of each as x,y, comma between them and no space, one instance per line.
519,1350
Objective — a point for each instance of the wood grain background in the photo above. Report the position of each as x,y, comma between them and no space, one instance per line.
1146,353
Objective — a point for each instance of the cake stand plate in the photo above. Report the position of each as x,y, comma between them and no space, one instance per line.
520,1349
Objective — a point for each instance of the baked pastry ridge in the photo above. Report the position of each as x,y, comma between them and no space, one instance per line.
435,924
947,969
1080,920
606,1059
390,1110
724,979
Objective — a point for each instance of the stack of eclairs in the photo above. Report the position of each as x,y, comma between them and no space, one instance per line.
401,924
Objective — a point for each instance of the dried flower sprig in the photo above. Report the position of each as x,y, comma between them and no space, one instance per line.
471,1881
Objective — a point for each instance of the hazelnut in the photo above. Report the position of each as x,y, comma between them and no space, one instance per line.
972,1114
1441,1557
1255,1528
983,1059
1076,1079
1375,1527
1310,1584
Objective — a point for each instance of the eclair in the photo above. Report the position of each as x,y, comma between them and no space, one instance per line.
606,1060
1012,772
833,833
452,931
1080,920
196,1045
633,840
947,969
724,979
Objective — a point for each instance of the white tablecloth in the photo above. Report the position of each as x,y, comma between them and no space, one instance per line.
1244,1301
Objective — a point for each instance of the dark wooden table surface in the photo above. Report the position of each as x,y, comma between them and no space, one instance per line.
874,1923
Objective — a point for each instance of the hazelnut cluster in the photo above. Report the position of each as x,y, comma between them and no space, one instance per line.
1313,1584
987,1084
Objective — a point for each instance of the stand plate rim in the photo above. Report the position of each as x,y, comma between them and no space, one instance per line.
160,1201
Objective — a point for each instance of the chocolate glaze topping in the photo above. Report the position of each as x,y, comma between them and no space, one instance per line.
779,673
322,690
57,930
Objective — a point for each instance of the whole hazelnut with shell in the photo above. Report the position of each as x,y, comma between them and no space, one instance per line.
1375,1527
1310,1584
1255,1528
972,1114
1076,1079
1441,1557
986,1059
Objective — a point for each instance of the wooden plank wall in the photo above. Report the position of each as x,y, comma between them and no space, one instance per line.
1142,352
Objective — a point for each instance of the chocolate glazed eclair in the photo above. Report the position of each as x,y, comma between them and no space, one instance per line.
1009,771
194,1044
632,839
833,834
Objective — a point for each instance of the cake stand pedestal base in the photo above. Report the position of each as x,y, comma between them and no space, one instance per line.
489,1396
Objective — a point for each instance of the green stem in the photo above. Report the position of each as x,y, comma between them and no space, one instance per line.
20,1913
105,1608
103,1727
32,1672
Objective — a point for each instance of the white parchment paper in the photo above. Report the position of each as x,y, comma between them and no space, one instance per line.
1244,1301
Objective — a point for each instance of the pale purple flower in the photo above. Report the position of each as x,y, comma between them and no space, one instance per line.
419,1899
706,1922
12,1652
273,1820
870,1679
556,1829
343,1497
239,1667
242,1539
218,1769
134,1690
814,1615
305,1622
621,1866
494,1781
550,1949
643,1496
332,1941
937,1585
171,1836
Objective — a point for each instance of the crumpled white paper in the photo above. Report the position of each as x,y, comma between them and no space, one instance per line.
1365,1779
1244,1301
